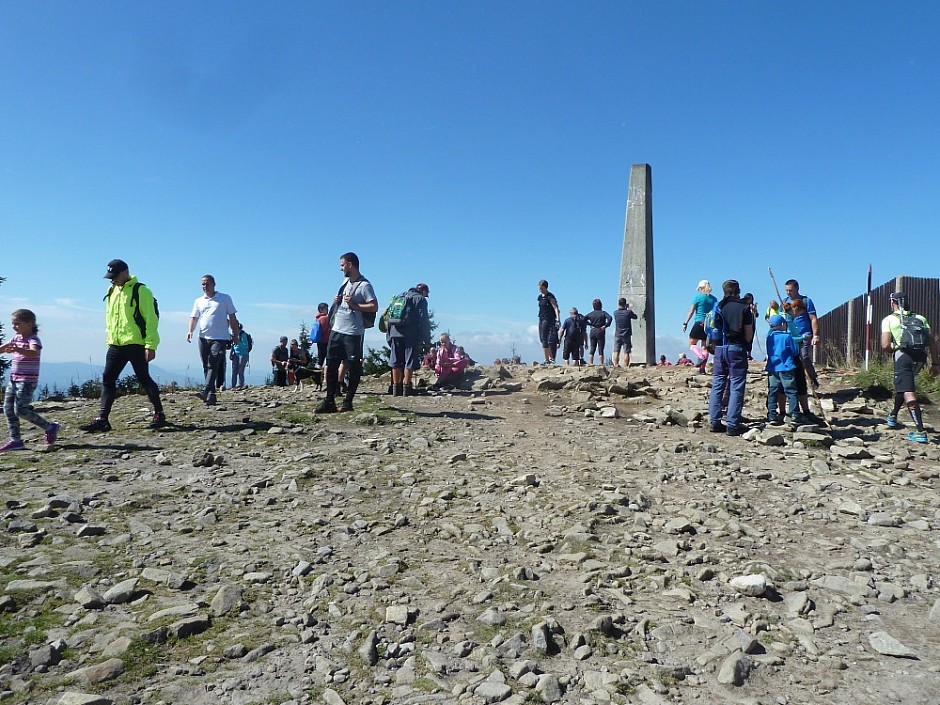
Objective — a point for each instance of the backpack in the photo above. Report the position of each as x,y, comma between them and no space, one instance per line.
251,343
397,313
914,335
316,333
713,329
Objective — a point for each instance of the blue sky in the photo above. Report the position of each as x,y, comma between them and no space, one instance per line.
477,146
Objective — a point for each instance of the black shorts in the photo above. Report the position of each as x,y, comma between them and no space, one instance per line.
623,343
907,363
344,347
698,331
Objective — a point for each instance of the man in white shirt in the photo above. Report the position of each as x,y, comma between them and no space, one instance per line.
214,313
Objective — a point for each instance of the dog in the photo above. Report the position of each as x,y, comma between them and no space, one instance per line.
302,373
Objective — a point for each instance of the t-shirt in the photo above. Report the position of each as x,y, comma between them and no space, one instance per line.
623,318
25,369
598,319
281,354
892,324
802,322
573,327
736,315
346,320
703,304
212,314
547,303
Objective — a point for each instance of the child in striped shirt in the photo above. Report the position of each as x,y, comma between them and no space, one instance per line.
25,349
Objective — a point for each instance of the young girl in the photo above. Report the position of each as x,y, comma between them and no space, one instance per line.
25,348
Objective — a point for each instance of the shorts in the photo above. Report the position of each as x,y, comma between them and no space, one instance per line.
572,347
344,347
403,354
907,363
548,333
623,343
698,331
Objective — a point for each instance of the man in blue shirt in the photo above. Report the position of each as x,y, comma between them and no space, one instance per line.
808,325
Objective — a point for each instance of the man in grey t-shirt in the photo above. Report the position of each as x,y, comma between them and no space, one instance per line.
355,297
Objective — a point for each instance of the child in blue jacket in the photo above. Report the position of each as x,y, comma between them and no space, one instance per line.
782,351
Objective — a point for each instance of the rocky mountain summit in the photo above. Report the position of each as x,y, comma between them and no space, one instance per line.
545,535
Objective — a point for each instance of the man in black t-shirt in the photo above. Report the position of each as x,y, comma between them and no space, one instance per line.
548,322
623,331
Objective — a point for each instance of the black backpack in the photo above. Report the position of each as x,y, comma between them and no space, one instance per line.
914,334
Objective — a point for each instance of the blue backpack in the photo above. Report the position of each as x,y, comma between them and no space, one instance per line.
713,325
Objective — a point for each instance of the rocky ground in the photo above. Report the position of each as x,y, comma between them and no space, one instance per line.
546,535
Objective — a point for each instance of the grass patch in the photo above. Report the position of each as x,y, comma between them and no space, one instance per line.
878,381
298,418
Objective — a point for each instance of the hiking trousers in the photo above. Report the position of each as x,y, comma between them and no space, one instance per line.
730,368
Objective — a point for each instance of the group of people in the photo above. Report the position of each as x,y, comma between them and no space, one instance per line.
725,329
579,333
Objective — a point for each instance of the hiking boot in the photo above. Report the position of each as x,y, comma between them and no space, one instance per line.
410,391
202,395
347,406
774,420
52,433
159,420
892,421
915,436
718,427
19,445
736,430
327,406
398,390
798,420
211,400
99,425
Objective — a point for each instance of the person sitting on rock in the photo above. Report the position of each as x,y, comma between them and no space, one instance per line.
450,362
683,359
663,362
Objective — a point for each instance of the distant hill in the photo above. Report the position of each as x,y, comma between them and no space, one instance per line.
61,375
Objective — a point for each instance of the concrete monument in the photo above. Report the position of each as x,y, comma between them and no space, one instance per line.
636,265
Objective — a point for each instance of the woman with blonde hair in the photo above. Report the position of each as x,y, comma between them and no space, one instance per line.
702,304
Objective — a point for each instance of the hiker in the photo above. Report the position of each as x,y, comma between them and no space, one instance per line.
549,317
450,361
239,357
702,303
25,349
734,320
354,306
907,336
131,320
663,362
296,359
214,313
321,332
598,320
279,359
783,355
683,360
623,331
807,324
571,337
793,310
408,329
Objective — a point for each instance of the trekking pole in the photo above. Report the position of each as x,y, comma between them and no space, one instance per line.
779,297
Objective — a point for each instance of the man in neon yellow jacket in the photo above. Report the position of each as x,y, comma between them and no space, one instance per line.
131,320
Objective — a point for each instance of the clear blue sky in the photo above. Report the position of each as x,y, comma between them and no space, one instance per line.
477,146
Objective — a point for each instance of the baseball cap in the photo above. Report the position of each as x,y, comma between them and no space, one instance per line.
776,320
704,283
900,297
423,288
115,267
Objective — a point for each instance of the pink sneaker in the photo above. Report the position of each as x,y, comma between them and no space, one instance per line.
52,433
13,445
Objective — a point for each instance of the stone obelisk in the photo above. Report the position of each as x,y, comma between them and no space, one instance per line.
636,265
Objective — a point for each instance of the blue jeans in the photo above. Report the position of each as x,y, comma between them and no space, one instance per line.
730,369
784,382
17,404
239,363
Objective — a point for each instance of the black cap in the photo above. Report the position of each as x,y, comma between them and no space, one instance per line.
900,297
115,267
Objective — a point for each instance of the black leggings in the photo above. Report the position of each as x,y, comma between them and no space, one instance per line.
116,360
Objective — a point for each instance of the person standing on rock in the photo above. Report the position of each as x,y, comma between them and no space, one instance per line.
623,332
240,352
702,304
405,338
598,320
571,336
355,298
736,323
549,316
906,335
807,324
214,313
131,320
